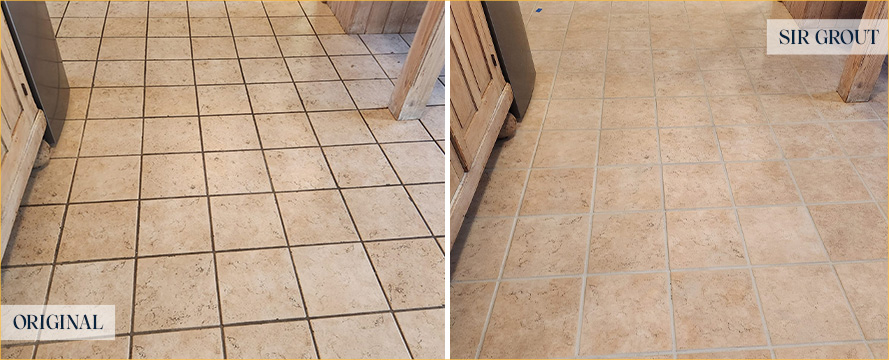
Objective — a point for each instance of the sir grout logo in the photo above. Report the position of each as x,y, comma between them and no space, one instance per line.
826,37
57,322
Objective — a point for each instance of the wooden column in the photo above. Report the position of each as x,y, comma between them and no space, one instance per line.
422,67
861,71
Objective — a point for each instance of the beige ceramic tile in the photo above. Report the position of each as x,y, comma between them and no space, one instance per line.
410,272
321,96
78,48
79,73
213,48
622,113
704,238
68,144
777,235
228,133
258,285
170,135
25,285
172,175
120,73
620,147
35,235
340,128
682,145
879,349
628,188
234,229
469,308
223,99
127,9
499,193
874,173
255,26
863,285
789,108
361,165
325,25
285,130
716,309
747,143
862,138
727,82
78,102
548,246
210,26
175,292
635,84
851,232
170,101
828,181
807,141
274,98
370,94
573,114
111,137
117,348
356,67
168,27
257,47
558,191
762,183
682,111
107,178
416,162
533,318
324,270
289,340
172,226
384,213
236,172
168,9
315,217
680,83
577,85
342,44
841,351
120,49
644,324
291,26
627,62
195,344
804,304
126,27
264,70
169,48
317,68
300,46
386,129
217,72
106,283
566,148
479,248
517,151
175,72
740,110
108,103
833,108
298,169
422,332
378,333
695,186
50,184
627,242
673,60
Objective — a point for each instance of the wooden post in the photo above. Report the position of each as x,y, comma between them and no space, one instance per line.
422,67
861,71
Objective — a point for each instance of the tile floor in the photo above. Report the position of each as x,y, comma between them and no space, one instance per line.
228,180
674,192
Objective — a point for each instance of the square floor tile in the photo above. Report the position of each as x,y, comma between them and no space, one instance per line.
313,68
370,94
789,108
258,285
300,45
762,183
35,235
168,9
218,72
86,9
172,175
516,152
422,332
26,285
644,324
628,146
169,48
362,165
119,347
78,48
499,193
299,169
695,186
683,145
851,232
337,279
223,99
573,114
79,73
384,213
469,308
804,304
833,108
289,340
283,9
168,27
378,333
715,309
776,81
873,172
234,229
120,73
112,137
236,132
627,242
340,128
591,61
114,236
170,135
428,199
171,226
482,243
807,141
511,335
343,44
385,43
285,130
704,238
777,235
625,113
68,144
291,25
126,27
106,283
558,191
747,143
628,188
410,271
680,83
673,60
576,85
257,47
683,111
107,178
356,67
737,110
566,148
213,48
863,285
727,82
203,344
50,184
210,26
171,101
321,96
315,217
175,292
265,70
108,103
841,351
169,72
236,172
544,246
636,84
274,98
867,138
78,103
416,162
251,26
386,129
120,49
828,181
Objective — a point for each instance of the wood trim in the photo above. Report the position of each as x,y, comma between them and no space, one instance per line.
465,191
422,66
861,72
377,17
18,166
